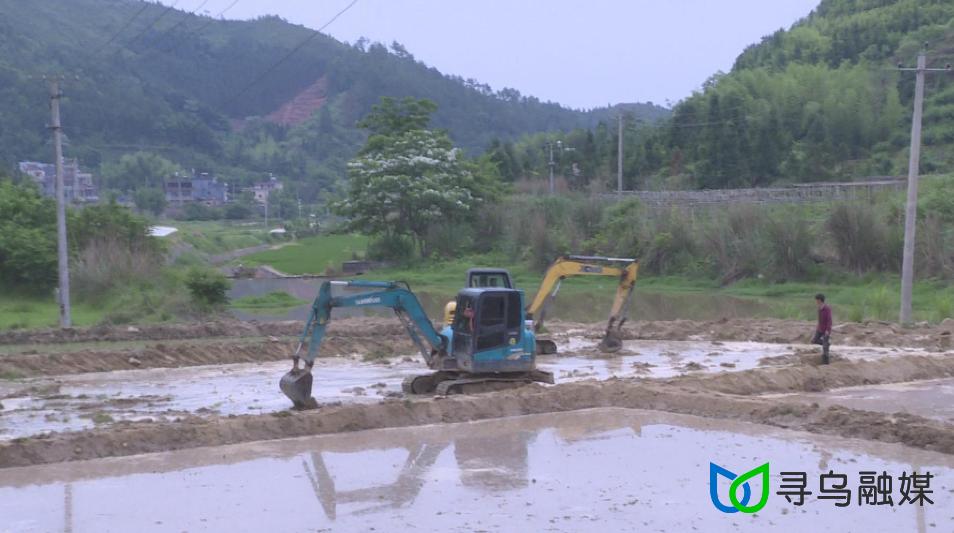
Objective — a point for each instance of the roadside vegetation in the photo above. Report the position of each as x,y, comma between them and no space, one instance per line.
119,274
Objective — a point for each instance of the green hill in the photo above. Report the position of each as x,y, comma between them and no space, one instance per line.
202,91
821,100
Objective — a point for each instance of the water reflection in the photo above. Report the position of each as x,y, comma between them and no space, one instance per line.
487,463
606,469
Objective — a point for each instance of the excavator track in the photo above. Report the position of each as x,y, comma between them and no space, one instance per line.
425,383
478,383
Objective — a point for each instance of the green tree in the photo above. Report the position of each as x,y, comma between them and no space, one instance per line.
150,200
138,170
208,288
110,222
392,117
27,237
407,180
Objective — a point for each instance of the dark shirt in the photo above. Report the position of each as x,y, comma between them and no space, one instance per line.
824,319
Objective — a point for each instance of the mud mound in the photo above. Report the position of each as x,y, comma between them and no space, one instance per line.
937,337
814,377
142,437
356,327
171,355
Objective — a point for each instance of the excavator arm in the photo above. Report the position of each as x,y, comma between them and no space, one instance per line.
297,383
581,265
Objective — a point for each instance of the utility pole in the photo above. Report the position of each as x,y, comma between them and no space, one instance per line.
63,291
911,208
619,157
551,165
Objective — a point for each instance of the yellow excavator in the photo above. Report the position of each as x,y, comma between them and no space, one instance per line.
623,269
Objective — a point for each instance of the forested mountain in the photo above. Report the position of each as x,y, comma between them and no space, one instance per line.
206,93
822,100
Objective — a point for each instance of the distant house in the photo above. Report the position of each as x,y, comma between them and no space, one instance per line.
262,189
77,185
201,188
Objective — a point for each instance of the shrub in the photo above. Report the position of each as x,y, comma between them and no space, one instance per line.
934,256
105,263
207,288
732,243
545,244
621,229
448,240
937,198
396,248
671,243
788,243
861,239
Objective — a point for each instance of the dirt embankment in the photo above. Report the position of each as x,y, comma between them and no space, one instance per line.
936,337
737,329
224,342
712,397
809,376
356,327
172,355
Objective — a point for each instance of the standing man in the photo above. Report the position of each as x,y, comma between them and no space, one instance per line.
823,330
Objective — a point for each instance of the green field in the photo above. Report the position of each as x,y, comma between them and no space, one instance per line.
312,255
216,237
26,312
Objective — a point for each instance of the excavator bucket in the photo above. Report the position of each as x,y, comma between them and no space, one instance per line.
296,384
611,342
546,346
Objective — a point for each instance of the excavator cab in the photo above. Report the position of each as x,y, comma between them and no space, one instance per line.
480,278
489,278
488,334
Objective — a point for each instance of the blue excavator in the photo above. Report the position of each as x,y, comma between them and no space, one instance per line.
489,345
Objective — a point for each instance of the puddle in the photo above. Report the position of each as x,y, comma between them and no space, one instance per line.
930,399
167,393
602,469
81,401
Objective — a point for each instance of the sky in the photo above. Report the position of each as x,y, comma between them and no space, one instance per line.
580,53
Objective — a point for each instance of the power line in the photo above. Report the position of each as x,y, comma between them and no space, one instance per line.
172,28
199,29
154,22
145,6
301,45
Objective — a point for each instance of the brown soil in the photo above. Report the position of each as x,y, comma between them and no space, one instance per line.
363,327
933,337
938,336
167,355
701,396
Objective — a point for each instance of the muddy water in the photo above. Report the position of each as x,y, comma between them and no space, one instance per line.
647,305
596,470
80,401
930,399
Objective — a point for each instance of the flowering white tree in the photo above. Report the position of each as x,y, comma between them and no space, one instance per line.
407,180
